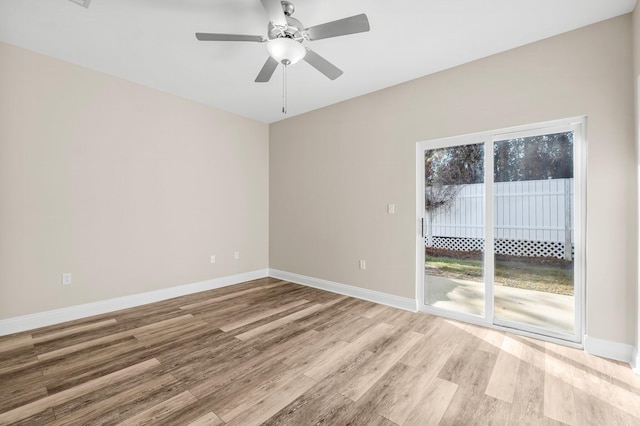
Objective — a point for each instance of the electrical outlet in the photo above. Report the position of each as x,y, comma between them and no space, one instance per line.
213,258
236,255
66,278
363,264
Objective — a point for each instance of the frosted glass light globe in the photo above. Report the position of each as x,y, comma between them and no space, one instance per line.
286,50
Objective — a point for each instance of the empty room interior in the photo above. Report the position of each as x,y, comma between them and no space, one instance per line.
418,213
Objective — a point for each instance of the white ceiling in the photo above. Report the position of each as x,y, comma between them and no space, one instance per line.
152,42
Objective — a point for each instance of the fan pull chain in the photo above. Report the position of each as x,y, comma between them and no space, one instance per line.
284,88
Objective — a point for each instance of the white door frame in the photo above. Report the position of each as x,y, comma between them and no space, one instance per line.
578,126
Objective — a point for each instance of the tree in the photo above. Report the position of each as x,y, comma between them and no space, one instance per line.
534,158
447,170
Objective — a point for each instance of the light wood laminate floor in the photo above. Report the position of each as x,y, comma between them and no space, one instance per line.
276,353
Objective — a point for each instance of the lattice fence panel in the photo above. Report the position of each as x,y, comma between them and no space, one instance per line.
458,244
526,248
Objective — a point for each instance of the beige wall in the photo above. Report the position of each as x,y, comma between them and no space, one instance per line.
132,190
128,188
636,39
636,79
333,171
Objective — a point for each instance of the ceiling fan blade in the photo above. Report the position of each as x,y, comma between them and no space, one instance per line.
322,65
229,37
274,12
351,25
267,70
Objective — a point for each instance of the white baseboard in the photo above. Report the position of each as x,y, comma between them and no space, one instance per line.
635,361
348,290
599,347
42,319
609,349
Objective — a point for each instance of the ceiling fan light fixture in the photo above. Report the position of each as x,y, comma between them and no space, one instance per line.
286,49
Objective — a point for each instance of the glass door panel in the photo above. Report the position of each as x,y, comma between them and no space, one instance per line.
453,228
533,242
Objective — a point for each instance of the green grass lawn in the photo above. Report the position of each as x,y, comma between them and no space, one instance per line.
551,278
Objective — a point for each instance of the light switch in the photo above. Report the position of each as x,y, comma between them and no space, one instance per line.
66,278
391,208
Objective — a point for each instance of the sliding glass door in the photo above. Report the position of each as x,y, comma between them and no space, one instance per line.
534,231
501,219
454,228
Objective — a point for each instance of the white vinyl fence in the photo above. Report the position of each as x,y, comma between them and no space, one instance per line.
532,218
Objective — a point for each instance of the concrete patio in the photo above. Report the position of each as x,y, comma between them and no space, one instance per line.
548,310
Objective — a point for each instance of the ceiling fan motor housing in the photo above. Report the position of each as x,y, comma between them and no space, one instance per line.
294,30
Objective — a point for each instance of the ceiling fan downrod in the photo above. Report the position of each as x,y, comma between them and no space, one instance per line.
286,63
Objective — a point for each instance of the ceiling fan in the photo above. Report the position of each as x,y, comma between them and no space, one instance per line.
286,34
